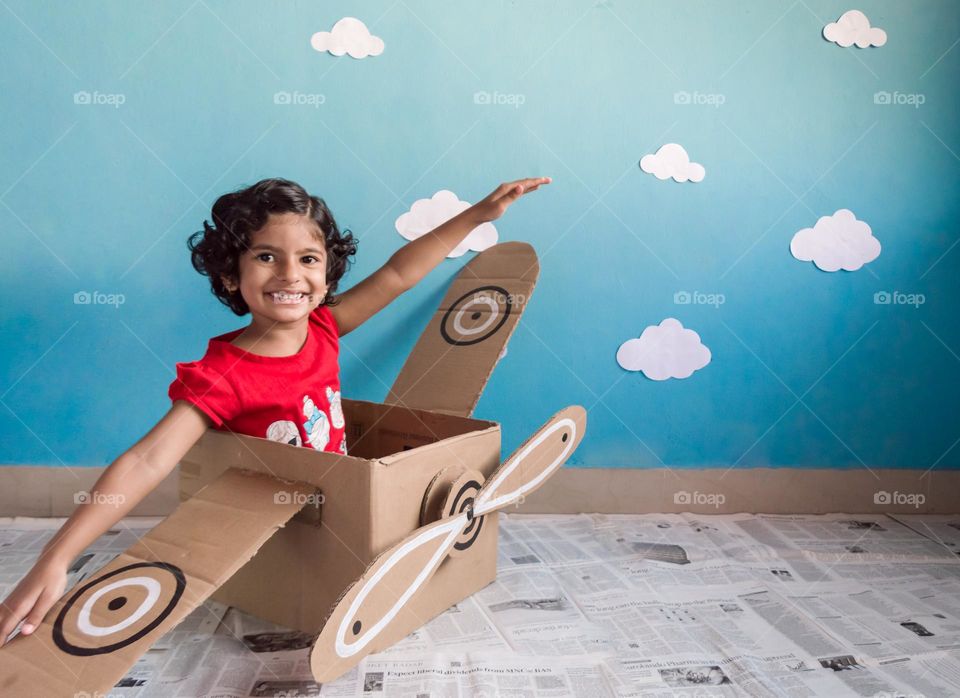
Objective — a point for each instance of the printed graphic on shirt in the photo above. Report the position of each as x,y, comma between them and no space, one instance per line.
336,409
284,431
343,445
317,426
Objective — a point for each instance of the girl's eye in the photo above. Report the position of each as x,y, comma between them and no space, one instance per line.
311,258
262,255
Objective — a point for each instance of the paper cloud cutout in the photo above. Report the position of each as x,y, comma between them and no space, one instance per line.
671,160
664,351
349,35
836,242
853,27
427,214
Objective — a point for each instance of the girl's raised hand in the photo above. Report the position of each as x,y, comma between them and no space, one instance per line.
493,206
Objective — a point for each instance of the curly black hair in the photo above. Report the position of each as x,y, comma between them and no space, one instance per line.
215,251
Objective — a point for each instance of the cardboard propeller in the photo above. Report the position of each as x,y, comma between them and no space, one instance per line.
370,614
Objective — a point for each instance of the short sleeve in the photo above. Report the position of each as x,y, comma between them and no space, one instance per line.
324,320
207,390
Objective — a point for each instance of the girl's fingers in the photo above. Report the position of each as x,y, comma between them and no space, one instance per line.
40,609
14,611
517,188
8,625
537,181
531,181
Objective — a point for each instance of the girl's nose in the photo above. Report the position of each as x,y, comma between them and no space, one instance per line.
287,271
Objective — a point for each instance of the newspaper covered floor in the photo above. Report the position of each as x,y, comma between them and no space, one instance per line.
655,605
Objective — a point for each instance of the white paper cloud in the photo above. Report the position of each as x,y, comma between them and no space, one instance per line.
853,27
349,35
836,242
671,160
427,214
664,351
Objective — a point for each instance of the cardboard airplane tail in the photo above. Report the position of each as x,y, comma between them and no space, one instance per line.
454,357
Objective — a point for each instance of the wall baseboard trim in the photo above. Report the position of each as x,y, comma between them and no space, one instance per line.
42,491
754,490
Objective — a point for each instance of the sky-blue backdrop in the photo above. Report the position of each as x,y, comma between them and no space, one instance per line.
807,370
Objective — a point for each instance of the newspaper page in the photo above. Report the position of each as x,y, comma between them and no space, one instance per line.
454,676
843,537
594,605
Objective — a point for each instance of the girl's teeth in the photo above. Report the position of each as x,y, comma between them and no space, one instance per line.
287,297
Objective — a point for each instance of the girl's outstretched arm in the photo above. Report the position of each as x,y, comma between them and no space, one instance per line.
118,490
417,258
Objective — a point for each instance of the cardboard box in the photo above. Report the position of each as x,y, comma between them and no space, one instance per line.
371,500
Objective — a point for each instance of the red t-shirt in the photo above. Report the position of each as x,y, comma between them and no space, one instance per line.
292,399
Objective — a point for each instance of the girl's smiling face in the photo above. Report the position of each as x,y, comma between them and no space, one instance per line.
283,275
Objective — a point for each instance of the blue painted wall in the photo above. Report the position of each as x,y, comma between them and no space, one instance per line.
807,370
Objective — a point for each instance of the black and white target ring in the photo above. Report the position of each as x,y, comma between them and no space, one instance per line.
477,315
118,608
462,495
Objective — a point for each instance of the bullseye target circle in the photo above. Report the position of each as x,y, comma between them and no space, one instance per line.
476,315
118,608
460,498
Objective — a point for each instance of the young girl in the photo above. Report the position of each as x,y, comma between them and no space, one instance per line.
276,252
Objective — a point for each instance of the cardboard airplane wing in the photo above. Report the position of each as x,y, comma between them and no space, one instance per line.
372,614
96,632
454,357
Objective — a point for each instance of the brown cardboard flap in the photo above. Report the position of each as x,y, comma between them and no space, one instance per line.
381,431
96,632
457,352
